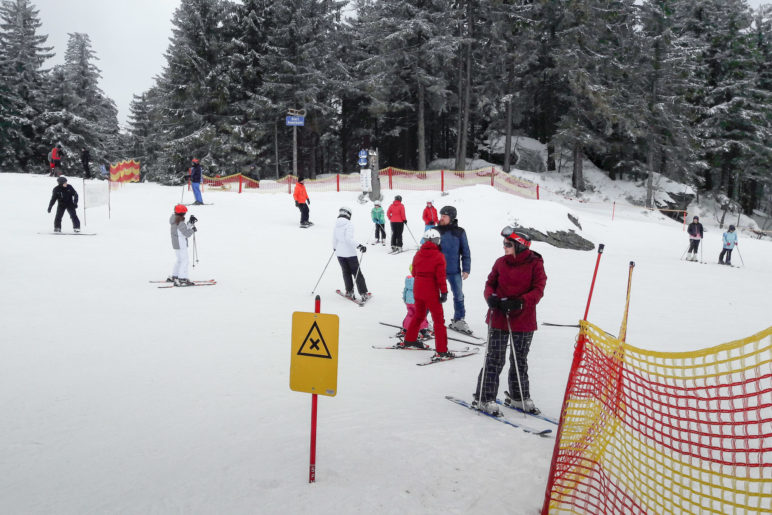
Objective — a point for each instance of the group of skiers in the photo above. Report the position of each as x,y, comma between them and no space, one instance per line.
696,233
56,155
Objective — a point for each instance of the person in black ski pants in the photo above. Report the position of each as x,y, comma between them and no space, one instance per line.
67,198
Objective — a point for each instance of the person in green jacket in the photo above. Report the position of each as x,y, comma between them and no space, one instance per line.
379,219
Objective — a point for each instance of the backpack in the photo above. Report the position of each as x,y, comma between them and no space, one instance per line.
50,155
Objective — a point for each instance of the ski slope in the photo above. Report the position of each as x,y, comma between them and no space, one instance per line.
119,397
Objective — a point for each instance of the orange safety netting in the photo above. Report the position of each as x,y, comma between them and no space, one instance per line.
647,432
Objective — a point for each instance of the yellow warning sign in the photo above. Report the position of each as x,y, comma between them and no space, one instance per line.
314,359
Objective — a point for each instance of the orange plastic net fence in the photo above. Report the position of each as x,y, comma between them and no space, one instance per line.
655,432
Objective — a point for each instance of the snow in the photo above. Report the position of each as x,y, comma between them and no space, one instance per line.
116,397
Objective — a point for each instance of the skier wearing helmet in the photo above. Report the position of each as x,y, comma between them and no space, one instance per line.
345,248
730,242
379,219
67,199
514,287
180,232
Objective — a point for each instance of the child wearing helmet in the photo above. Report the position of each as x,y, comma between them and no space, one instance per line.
67,199
180,232
409,299
730,242
514,287
430,290
379,219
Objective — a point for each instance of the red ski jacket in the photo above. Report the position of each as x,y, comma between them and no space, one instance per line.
396,212
430,216
55,154
429,272
520,276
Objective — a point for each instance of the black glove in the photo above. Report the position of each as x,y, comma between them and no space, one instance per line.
309,201
193,219
405,222
49,209
493,301
510,304
297,204
362,248
443,297
195,229
75,206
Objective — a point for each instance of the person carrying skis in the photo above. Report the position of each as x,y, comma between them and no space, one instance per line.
430,292
379,219
346,249
398,220
180,232
196,178
67,199
730,242
695,232
455,247
85,158
513,289
409,299
302,202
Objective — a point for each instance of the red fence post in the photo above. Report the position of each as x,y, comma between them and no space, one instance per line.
613,209
537,192
289,184
492,172
337,180
390,185
442,180
240,181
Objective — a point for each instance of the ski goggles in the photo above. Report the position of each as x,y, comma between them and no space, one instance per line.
509,233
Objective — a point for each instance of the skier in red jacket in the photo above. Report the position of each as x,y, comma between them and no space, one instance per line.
514,287
398,220
430,291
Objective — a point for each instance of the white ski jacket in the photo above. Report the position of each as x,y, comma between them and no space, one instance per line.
180,233
343,238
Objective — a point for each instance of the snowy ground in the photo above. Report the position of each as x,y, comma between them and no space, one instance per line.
116,397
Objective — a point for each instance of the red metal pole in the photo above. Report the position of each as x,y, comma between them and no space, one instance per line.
492,172
289,184
314,399
601,246
537,192
442,180
390,186
337,180
240,179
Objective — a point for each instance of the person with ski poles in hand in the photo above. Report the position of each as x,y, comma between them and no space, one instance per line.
430,291
379,219
513,289
180,232
696,233
730,242
345,248
196,178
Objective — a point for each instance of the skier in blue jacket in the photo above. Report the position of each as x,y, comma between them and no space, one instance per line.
730,242
455,247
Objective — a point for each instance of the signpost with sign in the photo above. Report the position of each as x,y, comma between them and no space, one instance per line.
295,118
314,363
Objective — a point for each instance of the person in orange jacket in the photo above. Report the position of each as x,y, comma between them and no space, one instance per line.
302,202
398,220
430,290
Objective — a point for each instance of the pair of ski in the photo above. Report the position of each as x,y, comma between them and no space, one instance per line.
306,225
55,233
478,343
504,420
457,354
401,250
360,302
167,284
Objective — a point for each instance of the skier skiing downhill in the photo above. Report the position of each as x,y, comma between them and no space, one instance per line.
695,236
398,220
514,287
180,232
730,242
67,199
455,247
346,249
430,290
302,202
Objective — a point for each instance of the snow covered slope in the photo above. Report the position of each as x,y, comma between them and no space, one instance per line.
119,397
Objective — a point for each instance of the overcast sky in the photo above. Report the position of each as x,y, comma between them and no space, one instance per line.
128,36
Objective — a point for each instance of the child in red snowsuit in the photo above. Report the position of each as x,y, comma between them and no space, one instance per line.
430,291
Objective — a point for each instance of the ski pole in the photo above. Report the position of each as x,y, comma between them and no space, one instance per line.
359,267
685,251
325,269
517,368
411,234
481,380
195,251
182,197
701,246
741,256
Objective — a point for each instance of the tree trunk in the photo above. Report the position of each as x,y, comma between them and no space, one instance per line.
650,180
460,124
551,167
508,138
421,129
577,179
467,101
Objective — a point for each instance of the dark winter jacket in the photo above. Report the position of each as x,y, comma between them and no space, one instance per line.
195,173
518,276
85,157
695,231
455,247
429,272
65,195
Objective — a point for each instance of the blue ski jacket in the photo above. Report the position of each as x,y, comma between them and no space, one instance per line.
455,247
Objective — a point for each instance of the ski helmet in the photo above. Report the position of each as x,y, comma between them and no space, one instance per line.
61,179
398,197
432,235
345,212
731,228
429,202
195,160
450,211
521,239
377,202
180,209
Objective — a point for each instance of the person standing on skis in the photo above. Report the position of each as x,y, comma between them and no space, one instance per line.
398,220
180,232
513,289
196,178
695,232
346,249
67,199
302,202
379,219
730,242
430,291
455,247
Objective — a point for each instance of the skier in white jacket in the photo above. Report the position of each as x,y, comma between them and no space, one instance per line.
346,249
180,232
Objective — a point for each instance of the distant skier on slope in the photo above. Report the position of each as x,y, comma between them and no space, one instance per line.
180,232
695,232
398,220
730,242
514,287
379,219
302,202
67,199
196,178
346,249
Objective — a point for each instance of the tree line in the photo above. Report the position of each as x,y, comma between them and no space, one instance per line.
678,87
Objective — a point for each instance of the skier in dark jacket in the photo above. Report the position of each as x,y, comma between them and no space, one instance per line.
196,178
514,287
85,159
67,198
695,237
458,257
